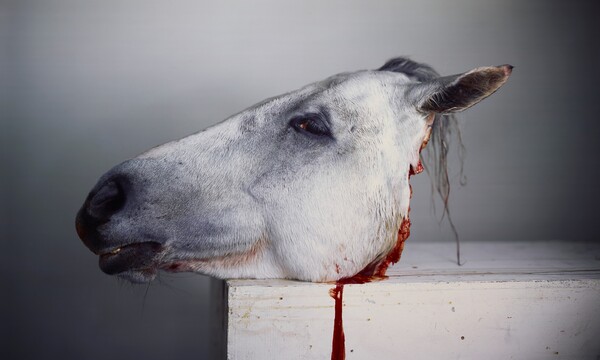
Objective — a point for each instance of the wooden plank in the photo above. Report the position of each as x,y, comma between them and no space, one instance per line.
509,300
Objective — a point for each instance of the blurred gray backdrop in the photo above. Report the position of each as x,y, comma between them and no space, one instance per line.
87,84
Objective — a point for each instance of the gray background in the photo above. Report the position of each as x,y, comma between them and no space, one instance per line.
87,84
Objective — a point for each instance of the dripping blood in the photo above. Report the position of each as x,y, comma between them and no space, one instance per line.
338,344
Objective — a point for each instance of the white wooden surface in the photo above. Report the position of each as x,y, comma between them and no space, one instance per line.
508,301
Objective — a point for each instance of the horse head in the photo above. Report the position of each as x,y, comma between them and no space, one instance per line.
310,185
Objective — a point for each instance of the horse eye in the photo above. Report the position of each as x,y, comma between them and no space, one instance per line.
311,124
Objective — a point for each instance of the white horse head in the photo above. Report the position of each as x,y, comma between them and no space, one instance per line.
310,185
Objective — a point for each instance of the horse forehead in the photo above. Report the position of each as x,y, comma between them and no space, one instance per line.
363,84
351,87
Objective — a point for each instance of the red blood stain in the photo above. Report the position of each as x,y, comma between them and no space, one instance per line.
359,279
394,255
417,170
338,344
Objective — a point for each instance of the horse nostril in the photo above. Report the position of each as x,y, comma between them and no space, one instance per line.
109,199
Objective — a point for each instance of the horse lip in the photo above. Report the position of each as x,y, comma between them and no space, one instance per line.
141,256
112,251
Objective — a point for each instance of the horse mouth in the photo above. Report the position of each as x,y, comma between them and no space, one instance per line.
136,262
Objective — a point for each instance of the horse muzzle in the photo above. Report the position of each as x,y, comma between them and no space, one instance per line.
123,256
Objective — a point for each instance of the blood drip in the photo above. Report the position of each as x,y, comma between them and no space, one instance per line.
338,344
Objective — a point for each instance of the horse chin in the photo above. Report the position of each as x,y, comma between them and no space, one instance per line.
142,276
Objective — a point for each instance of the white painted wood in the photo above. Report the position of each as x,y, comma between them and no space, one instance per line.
509,301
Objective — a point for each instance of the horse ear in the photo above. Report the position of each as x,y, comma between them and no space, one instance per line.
456,93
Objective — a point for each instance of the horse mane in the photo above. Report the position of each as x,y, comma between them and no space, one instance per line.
444,128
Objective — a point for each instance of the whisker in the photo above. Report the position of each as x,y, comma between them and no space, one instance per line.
171,286
144,299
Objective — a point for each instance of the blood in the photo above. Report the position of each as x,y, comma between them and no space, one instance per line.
394,255
417,170
338,344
